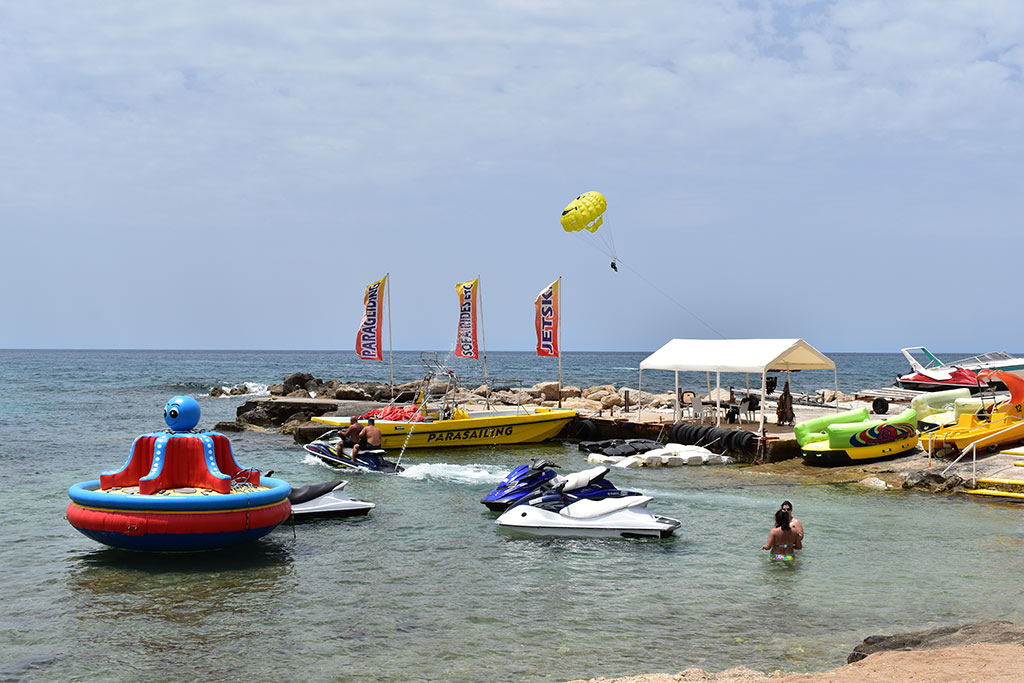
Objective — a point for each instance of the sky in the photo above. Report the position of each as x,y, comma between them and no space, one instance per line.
231,175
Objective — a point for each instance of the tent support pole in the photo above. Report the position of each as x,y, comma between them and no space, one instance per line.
640,397
764,375
835,373
675,414
718,398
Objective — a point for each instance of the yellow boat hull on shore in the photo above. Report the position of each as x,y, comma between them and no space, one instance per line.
483,428
1000,429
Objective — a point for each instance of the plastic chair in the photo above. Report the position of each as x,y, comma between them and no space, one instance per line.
700,411
686,404
747,410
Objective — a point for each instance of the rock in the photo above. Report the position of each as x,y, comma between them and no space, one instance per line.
228,427
930,480
257,416
292,422
276,389
581,404
873,483
993,631
349,392
612,400
548,390
571,392
239,390
597,395
605,388
217,391
296,381
298,393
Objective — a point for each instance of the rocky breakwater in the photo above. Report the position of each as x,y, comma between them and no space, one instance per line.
301,396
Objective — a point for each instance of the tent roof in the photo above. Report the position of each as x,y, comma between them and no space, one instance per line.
737,355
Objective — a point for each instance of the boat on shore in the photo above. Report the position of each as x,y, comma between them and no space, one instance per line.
439,421
934,374
851,438
989,427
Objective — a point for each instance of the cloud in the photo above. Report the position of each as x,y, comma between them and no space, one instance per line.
246,130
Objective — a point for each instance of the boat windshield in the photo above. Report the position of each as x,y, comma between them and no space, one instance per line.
921,358
985,359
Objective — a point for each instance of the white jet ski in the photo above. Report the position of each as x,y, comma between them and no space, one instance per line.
326,500
560,512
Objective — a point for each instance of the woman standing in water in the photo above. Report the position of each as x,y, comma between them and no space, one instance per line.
783,541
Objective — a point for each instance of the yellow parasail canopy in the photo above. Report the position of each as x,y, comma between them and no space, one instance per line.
584,212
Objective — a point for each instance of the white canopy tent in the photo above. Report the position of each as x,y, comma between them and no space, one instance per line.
736,355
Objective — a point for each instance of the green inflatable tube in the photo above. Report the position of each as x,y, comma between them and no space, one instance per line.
897,427
814,430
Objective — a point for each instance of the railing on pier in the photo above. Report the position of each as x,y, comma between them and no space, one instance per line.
973,449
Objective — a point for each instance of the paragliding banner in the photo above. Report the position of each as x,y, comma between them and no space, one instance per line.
547,321
466,346
368,344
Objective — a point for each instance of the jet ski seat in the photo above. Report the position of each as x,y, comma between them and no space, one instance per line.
578,480
589,508
301,494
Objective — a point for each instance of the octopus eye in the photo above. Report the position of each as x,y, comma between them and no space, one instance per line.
174,412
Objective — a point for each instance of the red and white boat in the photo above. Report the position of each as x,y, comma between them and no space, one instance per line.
935,376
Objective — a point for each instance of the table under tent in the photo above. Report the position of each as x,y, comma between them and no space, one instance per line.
749,356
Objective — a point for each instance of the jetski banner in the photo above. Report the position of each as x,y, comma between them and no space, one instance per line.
466,346
368,344
547,321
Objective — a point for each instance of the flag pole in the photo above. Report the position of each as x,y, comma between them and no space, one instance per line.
391,348
483,344
559,341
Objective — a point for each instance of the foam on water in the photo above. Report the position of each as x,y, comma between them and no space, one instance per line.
253,389
466,474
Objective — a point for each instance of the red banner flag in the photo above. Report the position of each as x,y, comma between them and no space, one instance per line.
368,344
547,321
466,346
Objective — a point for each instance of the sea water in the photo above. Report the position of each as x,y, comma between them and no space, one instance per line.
426,587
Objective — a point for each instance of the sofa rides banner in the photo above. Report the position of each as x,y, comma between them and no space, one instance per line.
466,347
547,321
368,344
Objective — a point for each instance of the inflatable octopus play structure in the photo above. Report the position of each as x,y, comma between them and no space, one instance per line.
180,489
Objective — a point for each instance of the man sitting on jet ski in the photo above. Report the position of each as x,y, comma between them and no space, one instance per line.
350,437
369,438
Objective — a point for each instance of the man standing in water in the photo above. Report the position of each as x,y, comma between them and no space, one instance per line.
369,438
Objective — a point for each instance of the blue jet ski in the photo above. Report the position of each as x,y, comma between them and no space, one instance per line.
540,477
330,449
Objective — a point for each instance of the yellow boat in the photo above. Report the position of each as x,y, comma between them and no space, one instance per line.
475,428
989,428
437,421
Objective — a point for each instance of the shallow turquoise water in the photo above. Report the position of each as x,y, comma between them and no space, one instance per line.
426,588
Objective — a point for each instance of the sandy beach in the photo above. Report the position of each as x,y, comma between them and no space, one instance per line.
990,662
